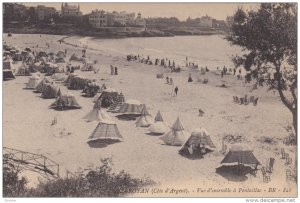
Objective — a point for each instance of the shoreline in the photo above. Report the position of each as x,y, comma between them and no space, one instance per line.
113,34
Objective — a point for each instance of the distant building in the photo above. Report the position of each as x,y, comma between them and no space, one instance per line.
219,24
122,18
44,13
139,21
206,21
14,12
98,18
70,10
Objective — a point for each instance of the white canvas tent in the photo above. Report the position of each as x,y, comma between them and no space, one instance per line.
97,114
176,136
159,126
33,82
145,119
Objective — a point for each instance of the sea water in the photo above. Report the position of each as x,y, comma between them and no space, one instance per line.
211,50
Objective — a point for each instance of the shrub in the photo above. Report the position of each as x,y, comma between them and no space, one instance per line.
12,185
97,182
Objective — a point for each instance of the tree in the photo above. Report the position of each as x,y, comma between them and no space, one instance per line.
269,36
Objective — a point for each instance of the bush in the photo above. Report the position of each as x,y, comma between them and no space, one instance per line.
97,182
12,185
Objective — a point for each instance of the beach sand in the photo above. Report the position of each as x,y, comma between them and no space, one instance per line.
27,124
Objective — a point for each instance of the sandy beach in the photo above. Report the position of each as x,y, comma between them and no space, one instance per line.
27,124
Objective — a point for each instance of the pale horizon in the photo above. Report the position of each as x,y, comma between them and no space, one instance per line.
218,11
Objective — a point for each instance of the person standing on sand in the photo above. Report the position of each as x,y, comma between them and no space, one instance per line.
234,70
116,71
222,73
176,90
190,78
171,81
111,70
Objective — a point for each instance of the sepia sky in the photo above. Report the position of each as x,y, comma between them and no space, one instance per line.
180,10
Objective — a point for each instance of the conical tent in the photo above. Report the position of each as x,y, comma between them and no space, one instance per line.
158,117
145,119
131,107
199,139
240,154
158,127
33,82
177,126
176,136
96,114
65,101
106,130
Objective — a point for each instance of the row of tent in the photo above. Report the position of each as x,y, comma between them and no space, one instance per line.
50,90
107,132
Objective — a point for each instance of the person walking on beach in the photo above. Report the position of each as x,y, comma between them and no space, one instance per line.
116,71
176,90
234,70
222,73
167,79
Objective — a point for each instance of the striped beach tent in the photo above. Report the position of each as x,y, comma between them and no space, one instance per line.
50,90
199,142
40,86
240,154
115,106
131,107
65,101
106,130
